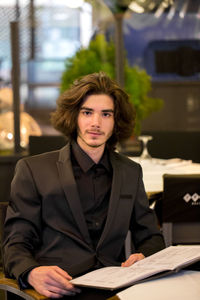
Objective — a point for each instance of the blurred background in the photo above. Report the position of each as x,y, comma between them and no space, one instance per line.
160,39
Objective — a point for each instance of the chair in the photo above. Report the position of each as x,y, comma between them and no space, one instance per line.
7,167
181,209
9,288
186,144
45,143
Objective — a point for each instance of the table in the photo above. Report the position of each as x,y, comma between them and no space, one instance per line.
183,285
154,169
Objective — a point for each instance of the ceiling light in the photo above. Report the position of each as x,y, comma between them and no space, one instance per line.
136,7
159,11
151,6
172,10
183,10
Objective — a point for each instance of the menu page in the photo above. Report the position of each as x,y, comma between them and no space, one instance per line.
116,277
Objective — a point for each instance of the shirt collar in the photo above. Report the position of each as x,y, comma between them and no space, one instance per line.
85,162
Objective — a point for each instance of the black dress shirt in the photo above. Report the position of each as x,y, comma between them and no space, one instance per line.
94,186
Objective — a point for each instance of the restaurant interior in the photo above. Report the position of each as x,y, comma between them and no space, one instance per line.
152,49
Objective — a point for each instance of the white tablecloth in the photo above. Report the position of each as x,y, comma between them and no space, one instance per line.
153,170
184,285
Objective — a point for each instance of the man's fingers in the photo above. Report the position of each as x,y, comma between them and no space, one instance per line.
62,272
55,295
58,278
61,292
50,290
63,278
132,259
60,284
52,281
56,275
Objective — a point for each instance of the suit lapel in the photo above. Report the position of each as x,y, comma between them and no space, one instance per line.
69,186
114,197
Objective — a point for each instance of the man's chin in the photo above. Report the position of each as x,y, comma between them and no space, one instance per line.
95,145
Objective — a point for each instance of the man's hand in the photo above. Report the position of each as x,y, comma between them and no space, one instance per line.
52,282
132,259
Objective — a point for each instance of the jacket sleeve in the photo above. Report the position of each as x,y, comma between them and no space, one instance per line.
22,229
146,235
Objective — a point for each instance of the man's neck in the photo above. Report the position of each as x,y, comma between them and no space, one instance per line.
95,153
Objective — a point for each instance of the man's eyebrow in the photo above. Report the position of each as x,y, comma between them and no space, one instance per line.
108,110
85,107
91,109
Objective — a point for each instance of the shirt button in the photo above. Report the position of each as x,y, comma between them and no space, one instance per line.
97,224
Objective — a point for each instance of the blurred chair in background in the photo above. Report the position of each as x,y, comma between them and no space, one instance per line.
181,209
45,143
174,144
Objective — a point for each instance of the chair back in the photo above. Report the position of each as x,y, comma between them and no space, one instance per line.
9,288
45,143
186,144
181,209
3,208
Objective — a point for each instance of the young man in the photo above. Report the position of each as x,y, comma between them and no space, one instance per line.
70,210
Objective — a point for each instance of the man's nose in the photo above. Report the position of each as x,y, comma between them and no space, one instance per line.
96,120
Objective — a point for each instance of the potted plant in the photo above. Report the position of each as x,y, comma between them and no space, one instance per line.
100,56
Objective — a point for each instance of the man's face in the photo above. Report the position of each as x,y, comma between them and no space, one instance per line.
95,121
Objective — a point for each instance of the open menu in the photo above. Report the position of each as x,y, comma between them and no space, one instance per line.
170,259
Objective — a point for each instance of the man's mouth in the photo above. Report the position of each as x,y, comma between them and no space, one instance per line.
95,133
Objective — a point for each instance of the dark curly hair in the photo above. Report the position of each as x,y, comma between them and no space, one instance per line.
64,119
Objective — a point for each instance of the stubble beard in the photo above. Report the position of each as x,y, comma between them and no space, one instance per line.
91,145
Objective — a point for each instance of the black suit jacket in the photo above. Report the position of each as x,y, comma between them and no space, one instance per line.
45,224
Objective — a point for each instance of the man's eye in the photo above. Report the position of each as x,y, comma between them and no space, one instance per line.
87,113
106,114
